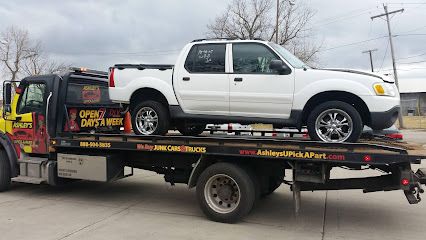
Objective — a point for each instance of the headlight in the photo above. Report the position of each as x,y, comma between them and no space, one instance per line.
384,89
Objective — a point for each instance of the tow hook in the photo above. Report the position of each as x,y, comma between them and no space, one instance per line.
413,195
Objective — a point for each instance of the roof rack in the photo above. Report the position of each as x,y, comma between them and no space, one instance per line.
214,39
229,39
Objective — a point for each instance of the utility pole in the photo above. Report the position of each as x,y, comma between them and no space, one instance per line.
276,26
395,72
371,57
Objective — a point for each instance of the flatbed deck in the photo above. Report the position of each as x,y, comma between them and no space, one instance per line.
247,146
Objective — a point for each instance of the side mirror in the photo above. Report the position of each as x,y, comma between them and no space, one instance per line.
280,67
7,98
7,93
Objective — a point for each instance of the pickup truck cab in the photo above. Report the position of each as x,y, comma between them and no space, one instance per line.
252,81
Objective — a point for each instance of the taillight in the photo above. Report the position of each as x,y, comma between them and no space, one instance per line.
398,136
367,158
230,127
405,182
111,77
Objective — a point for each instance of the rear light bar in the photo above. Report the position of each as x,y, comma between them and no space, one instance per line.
111,77
398,136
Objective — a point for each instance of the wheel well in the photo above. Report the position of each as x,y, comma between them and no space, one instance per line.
346,97
147,94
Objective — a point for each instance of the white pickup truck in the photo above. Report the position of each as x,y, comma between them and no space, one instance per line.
252,81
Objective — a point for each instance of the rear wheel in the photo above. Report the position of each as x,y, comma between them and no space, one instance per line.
150,118
334,121
4,171
273,184
191,130
225,192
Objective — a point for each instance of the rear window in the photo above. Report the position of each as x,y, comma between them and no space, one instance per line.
91,93
206,58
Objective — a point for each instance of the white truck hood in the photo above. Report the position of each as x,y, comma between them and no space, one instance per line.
370,74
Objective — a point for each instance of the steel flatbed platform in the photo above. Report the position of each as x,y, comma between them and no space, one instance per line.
248,146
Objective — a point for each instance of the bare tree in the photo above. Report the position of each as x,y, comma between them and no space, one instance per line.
21,55
251,19
15,48
38,63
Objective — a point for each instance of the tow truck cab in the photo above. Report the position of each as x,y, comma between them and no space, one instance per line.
37,108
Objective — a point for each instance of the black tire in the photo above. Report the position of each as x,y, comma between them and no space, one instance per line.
4,171
163,118
273,184
246,187
191,130
342,106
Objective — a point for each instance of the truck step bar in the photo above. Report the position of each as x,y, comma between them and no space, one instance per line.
26,179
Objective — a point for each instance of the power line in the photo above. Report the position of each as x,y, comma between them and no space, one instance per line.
384,56
413,56
337,18
139,53
414,62
353,43
344,14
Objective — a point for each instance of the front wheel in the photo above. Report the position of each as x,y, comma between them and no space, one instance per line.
4,171
150,118
191,130
334,121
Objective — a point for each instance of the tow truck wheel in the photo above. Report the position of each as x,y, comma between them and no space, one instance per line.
4,171
273,184
225,192
150,118
191,130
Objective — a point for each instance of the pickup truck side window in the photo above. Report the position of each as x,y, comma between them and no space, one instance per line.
206,58
32,99
252,58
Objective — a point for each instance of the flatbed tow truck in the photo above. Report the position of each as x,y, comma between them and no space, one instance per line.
230,173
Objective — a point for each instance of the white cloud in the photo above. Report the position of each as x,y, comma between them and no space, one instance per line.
85,33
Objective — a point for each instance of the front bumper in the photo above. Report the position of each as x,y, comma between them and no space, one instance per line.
383,120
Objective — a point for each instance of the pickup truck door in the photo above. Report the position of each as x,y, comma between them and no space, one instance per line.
28,117
202,86
255,90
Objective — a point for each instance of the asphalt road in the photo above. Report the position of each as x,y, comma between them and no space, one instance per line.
145,207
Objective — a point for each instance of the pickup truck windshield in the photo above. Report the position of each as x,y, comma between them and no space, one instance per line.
284,53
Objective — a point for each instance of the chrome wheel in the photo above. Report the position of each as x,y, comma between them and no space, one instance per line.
334,125
222,193
146,120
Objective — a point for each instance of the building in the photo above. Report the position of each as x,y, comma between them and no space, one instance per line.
413,96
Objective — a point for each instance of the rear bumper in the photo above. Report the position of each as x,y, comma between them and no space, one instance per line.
382,120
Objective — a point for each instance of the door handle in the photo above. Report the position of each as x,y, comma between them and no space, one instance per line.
186,79
238,79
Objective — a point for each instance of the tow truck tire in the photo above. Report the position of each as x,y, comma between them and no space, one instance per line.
4,171
334,116
225,192
273,184
191,130
154,113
